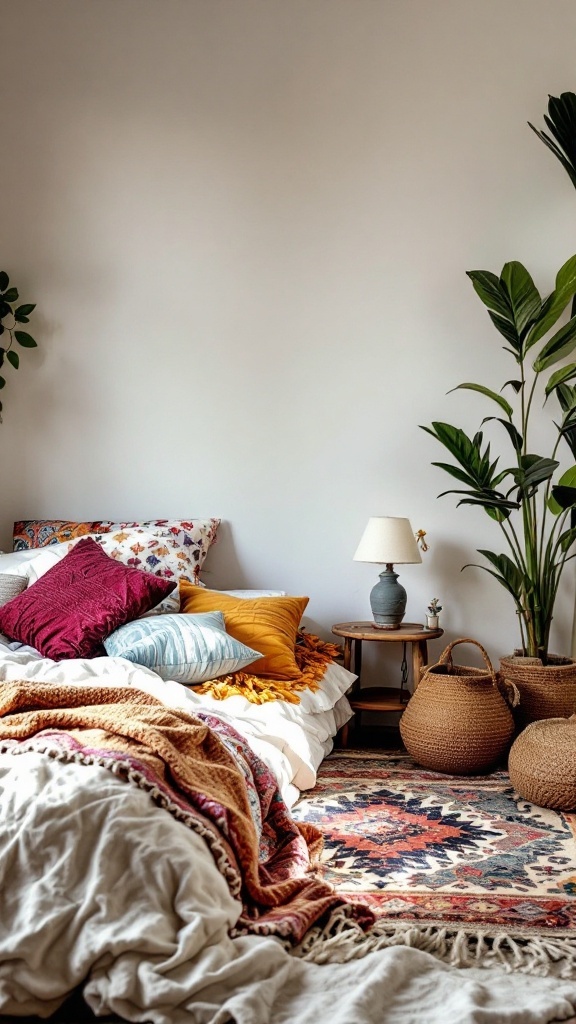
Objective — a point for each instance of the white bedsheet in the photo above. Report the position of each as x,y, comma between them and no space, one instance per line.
89,895
290,740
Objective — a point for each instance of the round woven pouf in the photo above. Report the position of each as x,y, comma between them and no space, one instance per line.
542,763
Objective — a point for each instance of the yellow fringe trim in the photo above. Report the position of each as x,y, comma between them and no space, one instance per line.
312,656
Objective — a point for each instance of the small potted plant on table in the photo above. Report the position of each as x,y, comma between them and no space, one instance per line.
433,613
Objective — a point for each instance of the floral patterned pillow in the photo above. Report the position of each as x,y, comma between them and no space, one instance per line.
174,549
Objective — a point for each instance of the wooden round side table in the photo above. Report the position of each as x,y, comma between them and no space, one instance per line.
383,698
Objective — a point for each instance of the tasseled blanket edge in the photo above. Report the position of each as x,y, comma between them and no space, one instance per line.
312,655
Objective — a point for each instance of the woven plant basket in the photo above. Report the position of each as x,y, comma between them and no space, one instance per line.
457,720
546,691
542,763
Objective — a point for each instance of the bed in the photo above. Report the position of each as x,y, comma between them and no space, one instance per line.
150,868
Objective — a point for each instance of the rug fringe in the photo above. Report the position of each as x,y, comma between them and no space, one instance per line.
341,940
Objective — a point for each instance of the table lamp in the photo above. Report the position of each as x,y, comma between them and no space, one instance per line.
388,540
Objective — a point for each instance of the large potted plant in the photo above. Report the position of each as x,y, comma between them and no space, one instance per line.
530,497
11,315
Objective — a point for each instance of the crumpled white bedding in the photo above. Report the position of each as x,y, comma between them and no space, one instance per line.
89,892
291,740
100,887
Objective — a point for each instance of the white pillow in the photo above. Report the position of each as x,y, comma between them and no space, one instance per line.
33,562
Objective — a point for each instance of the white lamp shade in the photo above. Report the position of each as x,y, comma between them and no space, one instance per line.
388,539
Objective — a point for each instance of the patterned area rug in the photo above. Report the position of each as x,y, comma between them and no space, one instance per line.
460,866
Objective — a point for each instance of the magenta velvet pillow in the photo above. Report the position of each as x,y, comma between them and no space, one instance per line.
70,610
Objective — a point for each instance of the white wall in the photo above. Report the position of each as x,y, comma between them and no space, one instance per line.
246,224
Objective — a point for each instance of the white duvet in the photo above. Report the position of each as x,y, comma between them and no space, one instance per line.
99,887
292,739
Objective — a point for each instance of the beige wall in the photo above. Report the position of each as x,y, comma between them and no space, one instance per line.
246,224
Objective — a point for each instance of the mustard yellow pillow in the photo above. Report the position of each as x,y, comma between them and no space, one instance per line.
267,624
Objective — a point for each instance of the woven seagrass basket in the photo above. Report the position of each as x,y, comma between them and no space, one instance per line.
542,763
457,720
546,691
11,586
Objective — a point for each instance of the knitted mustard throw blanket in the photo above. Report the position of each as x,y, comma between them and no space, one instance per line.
312,656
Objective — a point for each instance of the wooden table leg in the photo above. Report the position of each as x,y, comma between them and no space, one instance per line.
347,652
419,660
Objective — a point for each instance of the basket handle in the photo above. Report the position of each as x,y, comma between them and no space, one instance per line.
446,656
509,691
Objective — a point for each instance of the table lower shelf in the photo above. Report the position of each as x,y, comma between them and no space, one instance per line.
379,698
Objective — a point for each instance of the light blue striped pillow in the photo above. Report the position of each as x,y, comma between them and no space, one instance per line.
187,648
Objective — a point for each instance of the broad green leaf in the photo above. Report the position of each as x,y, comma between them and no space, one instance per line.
559,346
4,280
560,377
468,452
555,304
557,153
566,539
24,339
564,496
568,481
21,319
561,123
25,310
515,435
508,331
566,396
493,294
11,295
2,383
524,296
499,515
459,474
516,384
13,358
496,575
489,394
513,576
485,503
533,471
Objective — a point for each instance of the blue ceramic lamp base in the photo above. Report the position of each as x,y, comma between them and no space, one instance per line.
388,600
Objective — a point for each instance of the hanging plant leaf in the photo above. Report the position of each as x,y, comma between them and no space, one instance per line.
11,295
2,383
24,310
24,339
4,280
13,358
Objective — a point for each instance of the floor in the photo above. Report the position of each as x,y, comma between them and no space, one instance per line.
374,737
